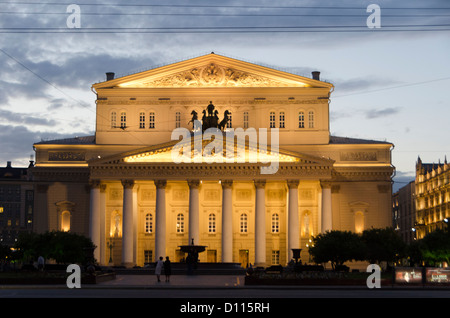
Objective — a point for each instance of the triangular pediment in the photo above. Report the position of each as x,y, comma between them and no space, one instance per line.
192,151
211,70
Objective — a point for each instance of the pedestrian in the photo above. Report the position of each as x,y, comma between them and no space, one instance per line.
41,263
167,269
158,268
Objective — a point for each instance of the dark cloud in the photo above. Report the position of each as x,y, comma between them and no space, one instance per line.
25,119
376,113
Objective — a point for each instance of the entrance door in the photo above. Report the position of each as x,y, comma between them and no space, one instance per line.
211,256
243,258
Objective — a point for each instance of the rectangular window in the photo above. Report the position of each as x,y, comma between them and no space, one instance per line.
311,119
123,120
275,257
272,120
151,120
281,119
148,256
177,120
141,120
301,120
245,120
113,120
229,123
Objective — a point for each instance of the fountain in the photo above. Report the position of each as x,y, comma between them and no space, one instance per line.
192,251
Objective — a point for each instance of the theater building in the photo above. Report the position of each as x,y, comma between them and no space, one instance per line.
270,194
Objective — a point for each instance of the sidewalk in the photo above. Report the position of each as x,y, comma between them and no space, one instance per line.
176,281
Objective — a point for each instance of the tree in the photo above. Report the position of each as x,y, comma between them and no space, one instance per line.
435,247
337,247
383,245
63,247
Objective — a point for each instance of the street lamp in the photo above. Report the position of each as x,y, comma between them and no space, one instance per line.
110,246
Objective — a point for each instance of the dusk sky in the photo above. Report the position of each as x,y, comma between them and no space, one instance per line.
391,83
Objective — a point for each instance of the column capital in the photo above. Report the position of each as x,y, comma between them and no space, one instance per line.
293,184
259,183
128,184
94,184
160,184
226,184
193,183
325,184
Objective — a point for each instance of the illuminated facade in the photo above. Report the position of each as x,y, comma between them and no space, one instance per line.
432,194
123,189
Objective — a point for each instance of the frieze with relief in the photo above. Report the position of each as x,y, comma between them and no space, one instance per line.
358,156
66,156
216,76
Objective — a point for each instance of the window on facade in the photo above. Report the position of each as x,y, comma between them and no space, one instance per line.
272,120
212,223
230,122
123,120
141,120
311,119
151,120
113,120
243,224
301,120
275,223
65,221
148,256
245,120
180,223
148,223
282,119
177,120
275,257
359,222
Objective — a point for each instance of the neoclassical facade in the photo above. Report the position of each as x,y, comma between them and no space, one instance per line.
142,186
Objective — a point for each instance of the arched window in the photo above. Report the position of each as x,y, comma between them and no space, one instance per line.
123,120
113,119
301,119
212,223
275,223
177,120
116,224
141,120
151,120
65,221
282,117
311,119
243,223
180,223
359,222
272,120
148,223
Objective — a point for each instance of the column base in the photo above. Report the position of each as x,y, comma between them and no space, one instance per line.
128,265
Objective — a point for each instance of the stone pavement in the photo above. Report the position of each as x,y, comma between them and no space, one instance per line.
176,281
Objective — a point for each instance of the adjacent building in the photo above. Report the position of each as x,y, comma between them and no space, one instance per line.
144,184
404,212
432,197
16,203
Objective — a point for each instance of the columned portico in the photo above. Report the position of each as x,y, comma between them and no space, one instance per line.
327,216
293,218
95,212
260,223
160,211
194,217
128,224
227,221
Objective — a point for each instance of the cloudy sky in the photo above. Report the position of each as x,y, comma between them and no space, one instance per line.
390,82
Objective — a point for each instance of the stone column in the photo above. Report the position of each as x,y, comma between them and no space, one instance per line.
293,219
327,216
160,219
102,247
127,224
94,216
227,221
260,223
194,213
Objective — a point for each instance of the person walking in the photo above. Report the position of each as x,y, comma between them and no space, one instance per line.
158,268
167,269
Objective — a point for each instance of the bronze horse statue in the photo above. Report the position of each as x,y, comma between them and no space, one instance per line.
223,123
